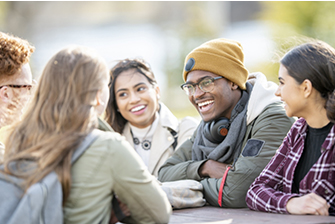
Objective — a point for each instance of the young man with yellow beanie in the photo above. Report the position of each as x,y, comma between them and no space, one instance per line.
243,124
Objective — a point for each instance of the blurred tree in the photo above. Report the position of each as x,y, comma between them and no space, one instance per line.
295,22
196,28
3,11
312,19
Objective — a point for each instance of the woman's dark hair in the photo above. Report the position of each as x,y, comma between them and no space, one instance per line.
113,117
314,61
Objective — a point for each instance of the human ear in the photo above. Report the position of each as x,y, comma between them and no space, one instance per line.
6,94
98,100
306,87
158,91
234,86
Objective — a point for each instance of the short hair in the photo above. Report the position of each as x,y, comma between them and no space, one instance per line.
14,52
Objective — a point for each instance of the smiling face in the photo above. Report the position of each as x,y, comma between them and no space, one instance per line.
291,92
215,104
136,98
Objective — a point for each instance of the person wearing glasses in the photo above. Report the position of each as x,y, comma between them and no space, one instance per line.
15,79
135,112
243,124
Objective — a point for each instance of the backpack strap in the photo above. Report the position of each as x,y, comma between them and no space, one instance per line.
89,139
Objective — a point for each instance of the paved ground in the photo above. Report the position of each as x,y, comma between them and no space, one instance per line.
214,215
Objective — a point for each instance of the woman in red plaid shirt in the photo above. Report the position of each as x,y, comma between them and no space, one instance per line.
300,178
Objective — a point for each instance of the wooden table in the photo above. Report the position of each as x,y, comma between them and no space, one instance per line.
215,215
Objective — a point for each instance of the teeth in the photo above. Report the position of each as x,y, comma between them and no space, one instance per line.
205,103
137,108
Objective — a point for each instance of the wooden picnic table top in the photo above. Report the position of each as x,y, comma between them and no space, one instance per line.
215,215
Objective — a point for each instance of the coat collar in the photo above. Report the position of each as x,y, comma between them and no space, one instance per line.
163,137
167,119
104,126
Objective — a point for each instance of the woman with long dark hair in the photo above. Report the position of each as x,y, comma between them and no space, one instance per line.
134,111
300,177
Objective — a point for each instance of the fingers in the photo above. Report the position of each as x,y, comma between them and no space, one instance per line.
308,204
319,204
212,169
125,209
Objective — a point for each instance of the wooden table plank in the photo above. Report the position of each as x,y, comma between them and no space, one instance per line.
214,215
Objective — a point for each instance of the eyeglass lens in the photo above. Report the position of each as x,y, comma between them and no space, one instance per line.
205,85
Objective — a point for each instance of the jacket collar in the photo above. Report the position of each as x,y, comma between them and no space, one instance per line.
104,126
329,142
167,119
161,144
262,95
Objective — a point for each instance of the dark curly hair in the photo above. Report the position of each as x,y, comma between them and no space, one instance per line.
14,52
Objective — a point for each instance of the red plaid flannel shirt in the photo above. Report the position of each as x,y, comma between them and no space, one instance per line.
272,188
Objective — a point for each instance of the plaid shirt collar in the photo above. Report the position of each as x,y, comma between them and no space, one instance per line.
329,142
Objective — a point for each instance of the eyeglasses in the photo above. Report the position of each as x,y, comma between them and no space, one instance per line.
18,86
206,85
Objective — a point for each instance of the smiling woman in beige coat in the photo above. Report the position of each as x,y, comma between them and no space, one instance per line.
134,111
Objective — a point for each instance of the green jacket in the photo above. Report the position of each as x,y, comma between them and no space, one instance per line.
110,165
271,126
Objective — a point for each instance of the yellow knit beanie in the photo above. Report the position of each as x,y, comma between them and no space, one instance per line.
220,56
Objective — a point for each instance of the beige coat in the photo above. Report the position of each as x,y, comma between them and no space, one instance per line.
2,151
162,148
110,165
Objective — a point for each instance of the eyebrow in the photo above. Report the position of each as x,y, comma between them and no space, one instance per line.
138,84
280,78
200,79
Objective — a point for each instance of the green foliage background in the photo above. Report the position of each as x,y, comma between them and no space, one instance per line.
290,23
295,22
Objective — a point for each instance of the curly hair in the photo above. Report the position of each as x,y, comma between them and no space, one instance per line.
14,52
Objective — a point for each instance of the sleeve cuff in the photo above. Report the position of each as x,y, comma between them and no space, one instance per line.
192,171
284,201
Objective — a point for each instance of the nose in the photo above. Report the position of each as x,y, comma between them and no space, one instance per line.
197,91
134,98
277,93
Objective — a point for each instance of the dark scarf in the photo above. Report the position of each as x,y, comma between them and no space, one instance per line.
230,147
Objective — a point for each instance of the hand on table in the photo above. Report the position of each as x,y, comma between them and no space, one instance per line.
212,169
311,204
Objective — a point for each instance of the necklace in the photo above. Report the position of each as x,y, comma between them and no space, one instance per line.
146,144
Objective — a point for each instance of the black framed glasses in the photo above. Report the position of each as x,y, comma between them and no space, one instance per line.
18,86
206,85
